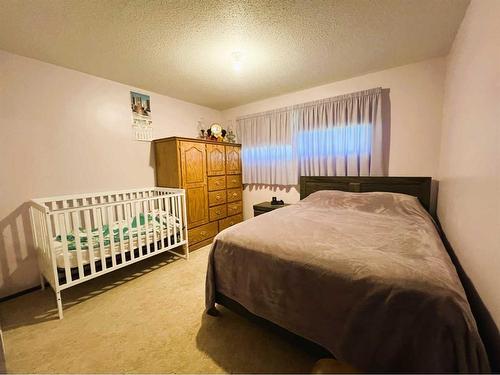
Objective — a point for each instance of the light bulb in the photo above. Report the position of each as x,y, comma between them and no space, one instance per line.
237,57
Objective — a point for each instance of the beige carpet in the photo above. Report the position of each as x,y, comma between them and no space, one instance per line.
145,318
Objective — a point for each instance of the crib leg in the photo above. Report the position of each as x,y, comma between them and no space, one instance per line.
186,251
42,282
59,305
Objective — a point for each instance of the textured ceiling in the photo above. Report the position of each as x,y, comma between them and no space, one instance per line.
183,48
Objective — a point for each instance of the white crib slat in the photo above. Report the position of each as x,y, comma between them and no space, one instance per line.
176,215
90,240
102,249
155,222
48,239
64,241
66,218
152,208
129,214
182,219
179,215
184,226
109,214
37,232
36,236
41,232
161,212
121,216
133,211
166,201
139,228
56,225
146,226
173,206
78,245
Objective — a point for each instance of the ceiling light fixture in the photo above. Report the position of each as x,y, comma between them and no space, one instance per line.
237,57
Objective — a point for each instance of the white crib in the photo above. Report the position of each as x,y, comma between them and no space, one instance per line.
80,237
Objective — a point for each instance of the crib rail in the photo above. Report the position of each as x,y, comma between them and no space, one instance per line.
80,237
86,199
43,243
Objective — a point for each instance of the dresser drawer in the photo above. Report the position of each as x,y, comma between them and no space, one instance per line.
216,183
234,195
202,233
234,208
234,181
216,197
229,221
218,212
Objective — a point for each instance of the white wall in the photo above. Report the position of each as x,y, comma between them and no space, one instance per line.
416,93
66,132
469,171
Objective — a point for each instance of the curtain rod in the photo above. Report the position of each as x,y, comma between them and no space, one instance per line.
357,94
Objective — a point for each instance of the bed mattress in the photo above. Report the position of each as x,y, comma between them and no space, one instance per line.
365,275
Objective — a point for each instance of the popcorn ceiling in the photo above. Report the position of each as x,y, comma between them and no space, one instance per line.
183,49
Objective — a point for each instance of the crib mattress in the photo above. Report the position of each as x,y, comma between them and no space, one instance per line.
103,246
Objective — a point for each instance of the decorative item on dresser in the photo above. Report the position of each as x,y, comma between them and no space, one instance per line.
210,172
262,208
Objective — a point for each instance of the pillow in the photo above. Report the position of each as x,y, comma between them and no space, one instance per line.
376,202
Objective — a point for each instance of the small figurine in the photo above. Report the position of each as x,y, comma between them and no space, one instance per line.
201,128
222,136
210,136
231,138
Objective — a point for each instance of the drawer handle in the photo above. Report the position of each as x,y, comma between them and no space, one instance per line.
217,197
231,223
233,181
218,212
235,194
217,182
203,233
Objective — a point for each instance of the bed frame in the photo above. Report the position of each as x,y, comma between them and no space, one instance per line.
419,187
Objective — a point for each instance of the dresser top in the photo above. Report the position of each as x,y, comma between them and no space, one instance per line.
169,139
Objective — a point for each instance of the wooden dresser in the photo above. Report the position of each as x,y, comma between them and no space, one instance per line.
211,174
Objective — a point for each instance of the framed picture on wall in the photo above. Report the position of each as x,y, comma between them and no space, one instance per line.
141,116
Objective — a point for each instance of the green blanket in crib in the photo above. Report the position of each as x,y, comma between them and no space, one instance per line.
126,233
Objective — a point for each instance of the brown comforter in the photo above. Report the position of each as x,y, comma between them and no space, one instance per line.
365,275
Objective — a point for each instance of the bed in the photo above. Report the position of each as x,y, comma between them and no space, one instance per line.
357,266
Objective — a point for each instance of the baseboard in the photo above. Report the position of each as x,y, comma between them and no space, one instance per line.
21,293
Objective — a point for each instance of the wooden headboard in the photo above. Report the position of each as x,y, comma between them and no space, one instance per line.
419,187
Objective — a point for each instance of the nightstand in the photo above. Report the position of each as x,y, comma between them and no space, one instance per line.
262,208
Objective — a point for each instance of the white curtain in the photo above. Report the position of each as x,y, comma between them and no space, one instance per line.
340,136
267,148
